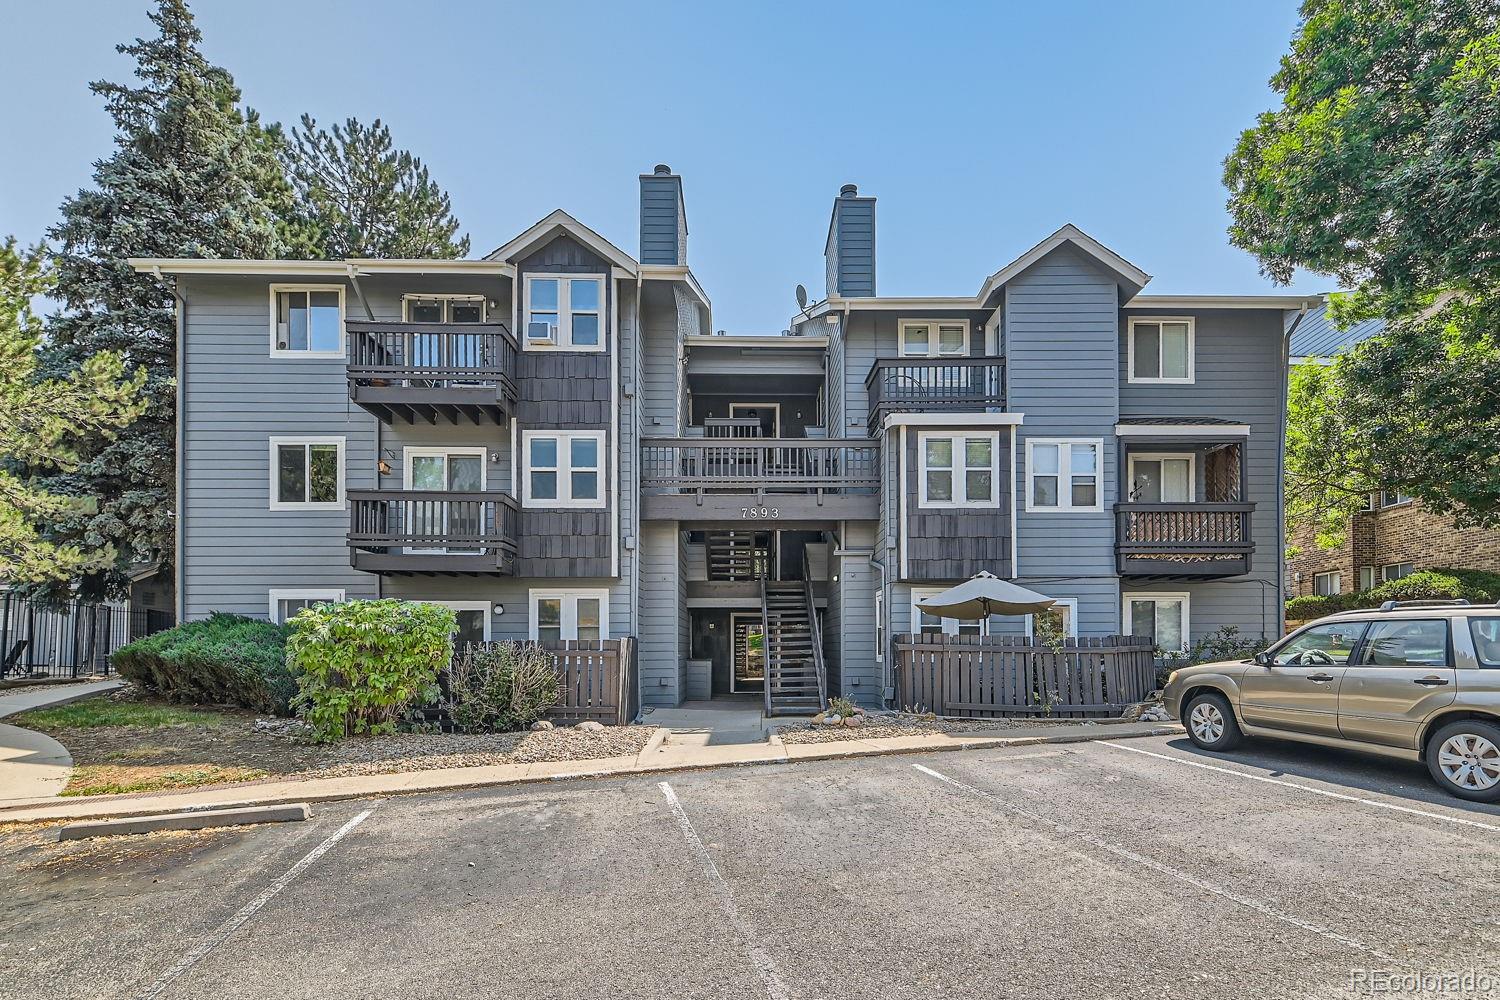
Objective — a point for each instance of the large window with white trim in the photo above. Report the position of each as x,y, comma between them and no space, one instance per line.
307,473
1161,477
959,469
1063,615
569,614
1162,617
1160,349
307,321
287,601
934,338
923,623
563,469
1063,474
564,313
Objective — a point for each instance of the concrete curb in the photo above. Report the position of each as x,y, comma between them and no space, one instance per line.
199,820
422,782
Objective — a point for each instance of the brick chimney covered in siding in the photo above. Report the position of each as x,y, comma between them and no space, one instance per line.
663,218
850,250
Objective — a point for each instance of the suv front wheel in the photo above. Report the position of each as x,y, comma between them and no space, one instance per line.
1210,722
1464,758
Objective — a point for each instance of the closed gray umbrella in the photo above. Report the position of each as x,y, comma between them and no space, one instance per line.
984,595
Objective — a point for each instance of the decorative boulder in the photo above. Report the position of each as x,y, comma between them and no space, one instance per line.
855,721
589,726
833,720
820,718
541,725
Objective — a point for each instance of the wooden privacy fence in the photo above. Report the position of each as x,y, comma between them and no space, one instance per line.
597,680
1002,675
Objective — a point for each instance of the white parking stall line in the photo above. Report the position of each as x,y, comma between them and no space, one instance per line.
1158,867
764,965
1458,820
249,910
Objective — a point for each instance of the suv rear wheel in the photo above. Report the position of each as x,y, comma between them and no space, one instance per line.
1464,758
1210,722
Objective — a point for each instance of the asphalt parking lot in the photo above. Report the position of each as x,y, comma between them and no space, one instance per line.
1136,869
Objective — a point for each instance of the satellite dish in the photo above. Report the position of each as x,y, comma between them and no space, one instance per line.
801,297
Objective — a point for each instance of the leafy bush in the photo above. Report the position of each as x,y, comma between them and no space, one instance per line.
220,660
361,665
1225,644
1429,585
501,686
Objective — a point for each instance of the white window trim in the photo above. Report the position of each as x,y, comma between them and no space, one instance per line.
409,453
278,352
1150,456
1192,359
960,483
447,298
933,350
569,598
1071,603
1401,499
564,471
1372,573
1065,476
483,607
1338,579
564,341
1159,595
1395,566
950,625
276,441
879,626
332,595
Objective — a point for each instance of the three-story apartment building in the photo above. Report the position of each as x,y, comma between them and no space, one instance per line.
552,441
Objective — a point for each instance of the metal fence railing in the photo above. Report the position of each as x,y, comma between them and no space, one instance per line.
73,639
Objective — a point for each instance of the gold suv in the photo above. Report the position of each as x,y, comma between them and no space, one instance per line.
1419,680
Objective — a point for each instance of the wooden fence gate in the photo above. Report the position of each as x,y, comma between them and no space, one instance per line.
597,678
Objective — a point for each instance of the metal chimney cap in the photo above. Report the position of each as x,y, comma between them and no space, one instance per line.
849,191
661,168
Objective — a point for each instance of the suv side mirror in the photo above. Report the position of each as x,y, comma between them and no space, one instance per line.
1263,659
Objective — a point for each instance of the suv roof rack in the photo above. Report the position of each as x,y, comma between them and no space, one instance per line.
1397,605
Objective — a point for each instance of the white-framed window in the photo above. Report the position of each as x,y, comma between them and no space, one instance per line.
1064,613
287,601
959,469
307,473
563,469
1393,498
934,338
879,625
443,308
1162,477
1327,584
1163,617
1367,577
473,618
445,470
1063,474
1161,349
1395,571
924,624
564,312
307,321
569,614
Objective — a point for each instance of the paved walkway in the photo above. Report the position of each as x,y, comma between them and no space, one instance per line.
34,766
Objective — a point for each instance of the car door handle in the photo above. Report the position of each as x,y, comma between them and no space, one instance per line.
1431,681
1320,678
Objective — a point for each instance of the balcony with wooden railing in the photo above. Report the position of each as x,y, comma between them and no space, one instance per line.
432,372
923,385
1183,539
433,531
759,478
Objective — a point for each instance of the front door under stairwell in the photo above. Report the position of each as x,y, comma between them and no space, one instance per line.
747,652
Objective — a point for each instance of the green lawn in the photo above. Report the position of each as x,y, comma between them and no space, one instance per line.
91,713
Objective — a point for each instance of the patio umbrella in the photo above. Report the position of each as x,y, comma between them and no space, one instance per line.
984,595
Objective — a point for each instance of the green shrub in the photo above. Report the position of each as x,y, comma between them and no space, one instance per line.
361,665
1475,586
219,660
501,686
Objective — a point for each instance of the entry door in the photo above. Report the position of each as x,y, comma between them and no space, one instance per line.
1161,478
1299,689
1402,673
460,470
748,653
769,415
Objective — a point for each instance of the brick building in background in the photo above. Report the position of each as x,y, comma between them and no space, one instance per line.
1395,536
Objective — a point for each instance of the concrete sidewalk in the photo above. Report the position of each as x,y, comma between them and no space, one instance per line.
34,766
653,759
24,699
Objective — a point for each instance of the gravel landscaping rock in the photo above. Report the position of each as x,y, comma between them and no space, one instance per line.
885,725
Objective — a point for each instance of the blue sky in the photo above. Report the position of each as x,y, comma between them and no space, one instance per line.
980,129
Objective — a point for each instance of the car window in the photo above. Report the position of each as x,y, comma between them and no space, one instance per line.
1321,644
1406,643
1486,633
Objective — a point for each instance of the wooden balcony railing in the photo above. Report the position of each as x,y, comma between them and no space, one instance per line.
925,384
424,531
426,370
759,465
1183,539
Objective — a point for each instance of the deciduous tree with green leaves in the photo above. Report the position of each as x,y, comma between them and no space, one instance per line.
1381,168
365,198
41,422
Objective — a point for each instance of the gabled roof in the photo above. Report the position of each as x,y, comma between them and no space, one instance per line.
1317,337
561,222
1131,278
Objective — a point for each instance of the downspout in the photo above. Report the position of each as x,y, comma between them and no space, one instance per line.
359,293
1286,377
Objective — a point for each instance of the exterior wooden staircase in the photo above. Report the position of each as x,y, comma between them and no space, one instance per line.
736,556
796,679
